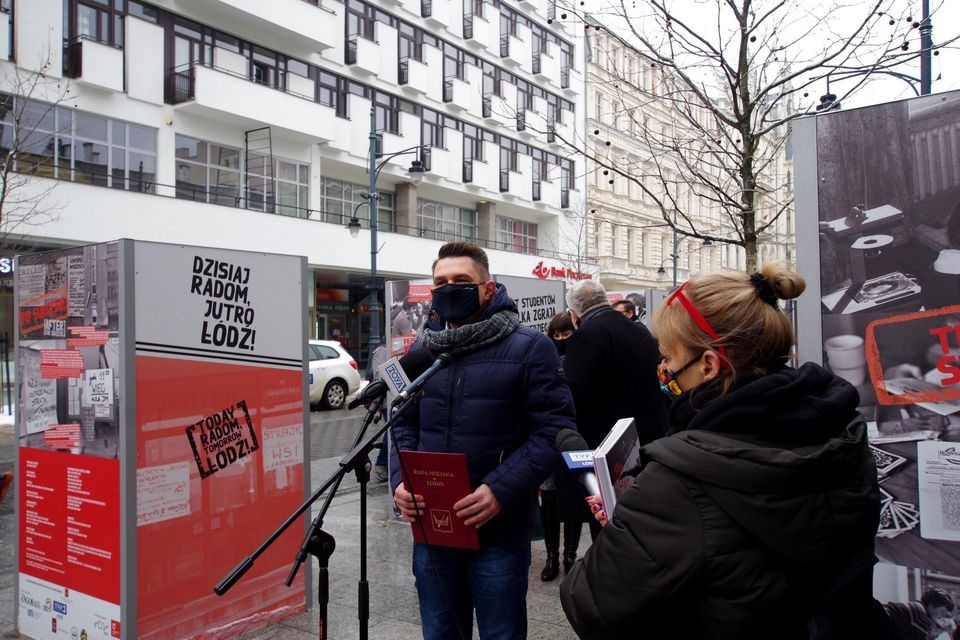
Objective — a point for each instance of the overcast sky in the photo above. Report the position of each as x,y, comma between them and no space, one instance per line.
945,17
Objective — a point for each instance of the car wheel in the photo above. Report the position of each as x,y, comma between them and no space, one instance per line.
335,394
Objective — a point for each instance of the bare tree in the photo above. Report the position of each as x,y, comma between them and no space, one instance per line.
717,85
28,149
573,238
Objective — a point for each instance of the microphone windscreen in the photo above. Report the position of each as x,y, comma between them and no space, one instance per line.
415,362
570,440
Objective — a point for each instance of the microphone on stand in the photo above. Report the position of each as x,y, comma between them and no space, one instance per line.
394,375
414,387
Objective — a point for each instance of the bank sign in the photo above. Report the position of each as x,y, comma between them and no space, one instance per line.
564,273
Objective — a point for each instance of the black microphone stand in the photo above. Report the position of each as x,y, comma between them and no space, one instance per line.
319,543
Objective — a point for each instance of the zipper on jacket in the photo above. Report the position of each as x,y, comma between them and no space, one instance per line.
455,381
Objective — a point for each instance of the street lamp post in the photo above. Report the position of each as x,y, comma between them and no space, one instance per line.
676,247
416,171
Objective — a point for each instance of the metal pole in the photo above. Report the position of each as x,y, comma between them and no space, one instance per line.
926,49
675,246
372,206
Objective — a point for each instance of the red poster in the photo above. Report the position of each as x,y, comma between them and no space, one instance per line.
70,519
215,475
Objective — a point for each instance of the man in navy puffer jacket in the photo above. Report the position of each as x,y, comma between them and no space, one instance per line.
501,402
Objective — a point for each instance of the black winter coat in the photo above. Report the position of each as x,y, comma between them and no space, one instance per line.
737,519
611,367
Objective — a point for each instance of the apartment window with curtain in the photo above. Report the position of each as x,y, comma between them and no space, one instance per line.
207,172
341,199
518,236
446,222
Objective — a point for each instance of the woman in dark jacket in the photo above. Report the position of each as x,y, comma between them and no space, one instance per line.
755,516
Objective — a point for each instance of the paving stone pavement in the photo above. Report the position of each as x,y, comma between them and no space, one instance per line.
393,599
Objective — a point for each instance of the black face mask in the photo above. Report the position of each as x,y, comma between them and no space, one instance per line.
561,345
456,302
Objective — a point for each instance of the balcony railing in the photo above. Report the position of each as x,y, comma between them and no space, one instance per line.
487,106
565,78
180,84
448,89
426,8
504,45
536,62
350,51
504,180
467,26
467,170
73,58
536,190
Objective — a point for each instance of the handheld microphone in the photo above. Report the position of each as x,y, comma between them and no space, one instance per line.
570,440
394,375
414,387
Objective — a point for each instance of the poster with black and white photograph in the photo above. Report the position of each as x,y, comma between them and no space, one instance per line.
888,226
69,353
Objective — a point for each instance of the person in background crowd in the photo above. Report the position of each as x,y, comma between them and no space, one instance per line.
501,402
403,322
926,619
756,515
627,308
559,497
611,367
380,355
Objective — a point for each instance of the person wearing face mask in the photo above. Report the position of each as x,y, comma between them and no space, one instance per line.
501,401
930,618
559,495
755,516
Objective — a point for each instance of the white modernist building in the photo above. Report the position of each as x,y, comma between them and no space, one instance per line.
246,125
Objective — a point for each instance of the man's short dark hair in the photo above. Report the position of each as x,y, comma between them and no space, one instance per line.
935,597
625,305
463,249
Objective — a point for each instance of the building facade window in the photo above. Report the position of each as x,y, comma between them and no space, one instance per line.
446,222
67,144
277,185
99,20
342,201
207,172
518,236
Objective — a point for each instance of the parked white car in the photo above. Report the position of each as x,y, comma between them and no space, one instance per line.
334,374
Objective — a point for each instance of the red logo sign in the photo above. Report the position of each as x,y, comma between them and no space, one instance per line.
543,272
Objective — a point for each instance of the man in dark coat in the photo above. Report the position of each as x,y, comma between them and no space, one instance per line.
501,402
611,367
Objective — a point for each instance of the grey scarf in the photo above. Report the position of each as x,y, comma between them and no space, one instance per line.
470,337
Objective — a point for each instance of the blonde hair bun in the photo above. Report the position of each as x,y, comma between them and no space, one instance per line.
786,283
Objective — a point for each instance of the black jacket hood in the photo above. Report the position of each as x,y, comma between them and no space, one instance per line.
780,454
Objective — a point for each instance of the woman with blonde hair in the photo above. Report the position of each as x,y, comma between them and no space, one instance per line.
755,516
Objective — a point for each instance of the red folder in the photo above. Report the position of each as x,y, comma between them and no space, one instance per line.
443,480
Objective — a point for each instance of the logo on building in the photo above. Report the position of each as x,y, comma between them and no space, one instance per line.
543,272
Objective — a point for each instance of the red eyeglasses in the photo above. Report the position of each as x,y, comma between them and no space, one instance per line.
697,316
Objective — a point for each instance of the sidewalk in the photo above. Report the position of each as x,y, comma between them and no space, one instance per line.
393,599
394,611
